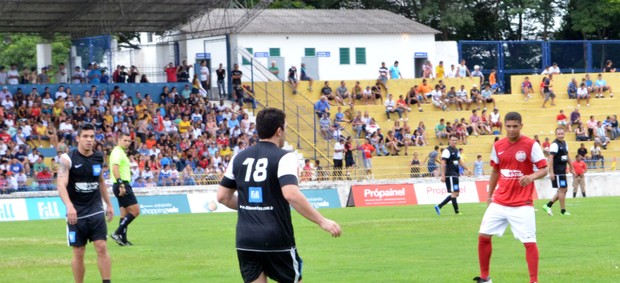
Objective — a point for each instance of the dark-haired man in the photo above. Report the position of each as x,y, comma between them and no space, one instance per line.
559,159
81,187
120,176
450,162
265,179
513,159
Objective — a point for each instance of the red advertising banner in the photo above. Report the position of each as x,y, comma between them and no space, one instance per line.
383,194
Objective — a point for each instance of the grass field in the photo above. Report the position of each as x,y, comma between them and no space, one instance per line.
379,244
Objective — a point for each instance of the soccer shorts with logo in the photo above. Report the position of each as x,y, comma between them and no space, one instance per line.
91,228
128,199
559,182
281,266
522,221
452,183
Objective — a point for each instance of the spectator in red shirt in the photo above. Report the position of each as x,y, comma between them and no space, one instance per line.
579,180
563,121
44,178
4,136
306,173
367,151
171,73
545,146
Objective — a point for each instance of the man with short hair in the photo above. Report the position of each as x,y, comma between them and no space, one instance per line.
495,120
559,158
601,87
343,93
13,75
303,76
390,107
82,188
579,180
526,88
292,78
450,162
265,180
511,187
395,71
383,76
582,93
338,157
120,176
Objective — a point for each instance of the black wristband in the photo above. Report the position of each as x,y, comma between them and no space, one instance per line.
119,181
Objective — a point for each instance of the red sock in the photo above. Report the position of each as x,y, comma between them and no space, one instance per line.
531,255
484,255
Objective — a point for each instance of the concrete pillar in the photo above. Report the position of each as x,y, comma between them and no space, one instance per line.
44,55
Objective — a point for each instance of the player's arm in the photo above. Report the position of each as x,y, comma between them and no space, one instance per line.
550,168
442,168
103,187
298,201
116,173
463,165
492,184
61,183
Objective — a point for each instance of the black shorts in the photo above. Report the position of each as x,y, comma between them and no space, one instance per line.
281,266
452,183
559,182
92,228
337,163
128,199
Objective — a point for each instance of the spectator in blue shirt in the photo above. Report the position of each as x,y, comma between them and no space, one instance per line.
321,106
94,76
572,89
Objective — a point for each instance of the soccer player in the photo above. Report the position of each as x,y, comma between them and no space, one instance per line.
81,187
450,161
120,175
510,195
559,158
265,179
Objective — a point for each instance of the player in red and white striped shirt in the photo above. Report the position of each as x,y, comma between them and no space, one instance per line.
513,159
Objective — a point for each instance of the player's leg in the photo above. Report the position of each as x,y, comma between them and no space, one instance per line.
133,211
77,264
494,222
562,198
554,184
448,198
103,259
455,194
523,225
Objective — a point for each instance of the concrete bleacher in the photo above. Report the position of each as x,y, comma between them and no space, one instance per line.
537,121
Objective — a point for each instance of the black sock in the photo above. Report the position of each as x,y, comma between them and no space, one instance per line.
583,194
445,201
550,204
122,227
106,281
562,211
455,205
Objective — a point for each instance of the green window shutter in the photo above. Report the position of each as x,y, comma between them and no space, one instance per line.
244,61
345,56
274,52
309,52
360,55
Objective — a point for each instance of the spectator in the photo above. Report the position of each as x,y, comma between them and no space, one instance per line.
437,98
496,121
582,93
478,74
439,70
476,97
546,146
395,71
414,98
321,107
368,95
479,167
292,78
324,124
486,96
572,89
600,135
547,89
273,69
12,76
343,93
427,70
43,78
378,141
440,130
614,129
367,151
451,73
451,98
580,133
462,71
205,76
554,69
591,124
462,98
609,67
493,81
563,122
376,93
390,107
357,92
425,90
171,73
327,92
383,76
596,155
303,76
526,88
431,162
306,172
44,180
601,87
589,83
338,157
579,180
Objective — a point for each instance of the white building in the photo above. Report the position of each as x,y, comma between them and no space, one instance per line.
334,44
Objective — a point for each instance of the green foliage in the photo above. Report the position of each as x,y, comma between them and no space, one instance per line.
379,244
21,49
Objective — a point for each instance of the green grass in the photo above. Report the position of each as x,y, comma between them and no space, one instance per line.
379,244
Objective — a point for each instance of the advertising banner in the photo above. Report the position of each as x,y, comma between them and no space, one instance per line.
434,193
13,210
164,204
45,208
205,203
383,194
323,198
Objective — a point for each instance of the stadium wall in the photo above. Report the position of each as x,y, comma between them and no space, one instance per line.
174,200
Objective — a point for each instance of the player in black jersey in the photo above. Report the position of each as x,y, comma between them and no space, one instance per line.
559,158
450,161
265,179
81,187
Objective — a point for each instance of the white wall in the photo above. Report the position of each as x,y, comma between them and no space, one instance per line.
216,46
447,51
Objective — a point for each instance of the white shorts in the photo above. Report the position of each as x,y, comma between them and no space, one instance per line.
521,218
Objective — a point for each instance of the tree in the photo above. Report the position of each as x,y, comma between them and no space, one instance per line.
21,49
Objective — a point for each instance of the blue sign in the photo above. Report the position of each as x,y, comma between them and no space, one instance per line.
420,55
323,54
203,55
323,198
45,208
261,54
166,204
